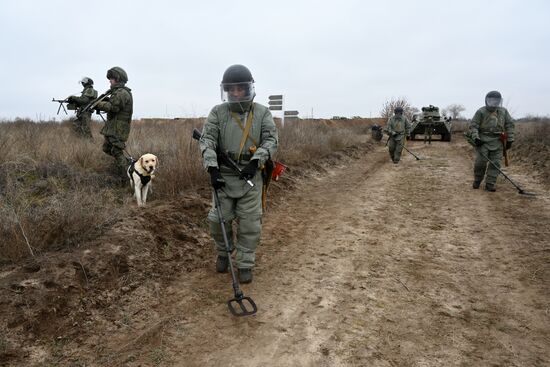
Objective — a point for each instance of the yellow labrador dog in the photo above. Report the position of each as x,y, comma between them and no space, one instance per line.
141,172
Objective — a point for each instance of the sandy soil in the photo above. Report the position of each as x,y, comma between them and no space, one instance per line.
366,263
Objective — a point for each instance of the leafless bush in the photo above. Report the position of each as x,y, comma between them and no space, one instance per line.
454,110
389,106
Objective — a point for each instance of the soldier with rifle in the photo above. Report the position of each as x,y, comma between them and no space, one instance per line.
118,103
81,124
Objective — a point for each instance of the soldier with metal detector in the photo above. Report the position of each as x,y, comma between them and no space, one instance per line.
397,128
245,132
492,132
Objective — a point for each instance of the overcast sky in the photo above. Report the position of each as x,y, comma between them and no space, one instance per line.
341,57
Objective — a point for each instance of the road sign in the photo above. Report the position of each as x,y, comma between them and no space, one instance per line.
276,103
275,108
291,113
277,96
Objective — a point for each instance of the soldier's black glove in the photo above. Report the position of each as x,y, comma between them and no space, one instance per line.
508,145
478,142
250,169
216,179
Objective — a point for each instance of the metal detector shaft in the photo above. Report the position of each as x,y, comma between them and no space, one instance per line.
414,155
520,190
240,305
236,288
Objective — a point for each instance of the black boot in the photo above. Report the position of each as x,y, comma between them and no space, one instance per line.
222,263
245,275
476,184
490,188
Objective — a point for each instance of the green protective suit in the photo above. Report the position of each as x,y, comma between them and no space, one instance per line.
238,200
82,123
487,126
119,108
398,127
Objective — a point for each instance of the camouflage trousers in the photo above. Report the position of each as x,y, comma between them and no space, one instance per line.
482,166
247,213
115,148
81,126
395,148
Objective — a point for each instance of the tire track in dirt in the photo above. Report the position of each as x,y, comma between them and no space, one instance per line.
381,265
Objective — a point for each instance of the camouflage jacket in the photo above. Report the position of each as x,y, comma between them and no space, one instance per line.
119,108
488,126
88,95
399,125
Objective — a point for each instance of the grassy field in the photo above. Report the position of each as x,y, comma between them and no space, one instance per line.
57,190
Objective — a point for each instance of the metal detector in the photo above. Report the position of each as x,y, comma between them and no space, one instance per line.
414,155
520,190
240,305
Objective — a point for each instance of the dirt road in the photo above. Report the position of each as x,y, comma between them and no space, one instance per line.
373,264
366,264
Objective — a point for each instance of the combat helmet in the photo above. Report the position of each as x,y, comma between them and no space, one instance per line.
117,73
86,82
237,87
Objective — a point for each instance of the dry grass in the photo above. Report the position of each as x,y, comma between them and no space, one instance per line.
532,147
57,190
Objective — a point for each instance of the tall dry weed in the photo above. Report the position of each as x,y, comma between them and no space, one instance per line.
57,190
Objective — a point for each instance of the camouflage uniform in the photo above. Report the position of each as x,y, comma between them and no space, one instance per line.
487,127
119,108
238,201
82,123
398,128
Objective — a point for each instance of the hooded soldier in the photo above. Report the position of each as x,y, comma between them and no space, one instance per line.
119,108
82,123
246,132
398,128
492,130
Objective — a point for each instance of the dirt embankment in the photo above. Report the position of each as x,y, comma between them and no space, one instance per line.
362,263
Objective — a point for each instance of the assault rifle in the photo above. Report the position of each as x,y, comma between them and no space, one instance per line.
224,158
91,106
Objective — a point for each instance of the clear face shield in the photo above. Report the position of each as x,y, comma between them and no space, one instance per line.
493,102
84,81
237,92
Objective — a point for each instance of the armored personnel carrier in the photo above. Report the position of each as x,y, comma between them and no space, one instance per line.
430,122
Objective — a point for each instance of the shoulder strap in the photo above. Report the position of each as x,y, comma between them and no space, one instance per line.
245,129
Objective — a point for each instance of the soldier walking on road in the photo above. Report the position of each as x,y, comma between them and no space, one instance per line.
492,130
397,128
119,108
246,132
82,123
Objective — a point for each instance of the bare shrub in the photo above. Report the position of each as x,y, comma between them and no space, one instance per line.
389,106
